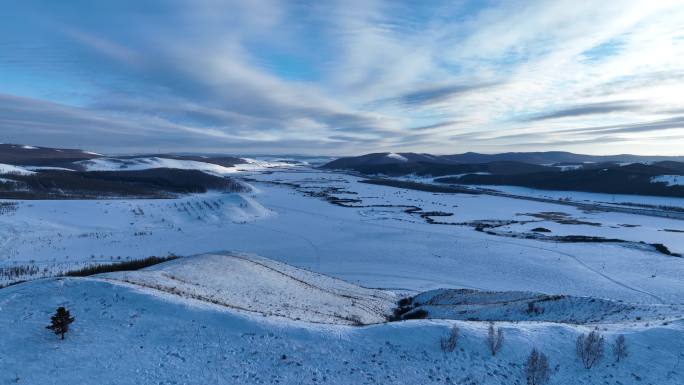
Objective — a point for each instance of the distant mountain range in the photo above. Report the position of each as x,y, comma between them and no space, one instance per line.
539,158
28,172
23,155
614,174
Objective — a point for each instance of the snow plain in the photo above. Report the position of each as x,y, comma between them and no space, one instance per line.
170,323
372,246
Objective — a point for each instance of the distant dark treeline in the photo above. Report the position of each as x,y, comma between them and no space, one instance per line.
633,179
437,169
151,183
419,186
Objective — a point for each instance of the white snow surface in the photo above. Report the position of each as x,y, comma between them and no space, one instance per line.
587,197
250,283
40,168
115,164
395,156
670,180
145,163
124,334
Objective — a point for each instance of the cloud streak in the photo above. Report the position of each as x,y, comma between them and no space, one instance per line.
588,109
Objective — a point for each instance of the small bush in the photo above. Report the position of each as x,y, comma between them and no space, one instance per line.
495,338
405,301
620,348
590,348
533,309
541,230
448,343
537,368
398,313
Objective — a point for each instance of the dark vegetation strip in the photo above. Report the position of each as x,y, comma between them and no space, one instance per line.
420,186
120,266
632,179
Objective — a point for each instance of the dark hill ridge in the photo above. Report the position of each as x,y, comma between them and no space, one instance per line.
540,158
615,174
21,155
438,169
629,179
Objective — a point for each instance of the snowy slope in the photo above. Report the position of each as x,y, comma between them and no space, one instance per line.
395,156
54,236
465,304
254,284
144,163
10,169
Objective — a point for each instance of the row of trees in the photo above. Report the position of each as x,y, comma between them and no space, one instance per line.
590,349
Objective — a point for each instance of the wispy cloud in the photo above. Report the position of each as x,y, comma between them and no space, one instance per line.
344,77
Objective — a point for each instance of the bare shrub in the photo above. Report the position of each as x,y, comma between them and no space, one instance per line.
495,338
448,343
537,368
590,348
620,348
533,309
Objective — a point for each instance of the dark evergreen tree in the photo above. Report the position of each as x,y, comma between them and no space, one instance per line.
61,321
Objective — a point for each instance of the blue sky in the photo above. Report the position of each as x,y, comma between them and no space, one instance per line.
344,77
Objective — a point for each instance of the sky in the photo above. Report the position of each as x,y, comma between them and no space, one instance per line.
343,77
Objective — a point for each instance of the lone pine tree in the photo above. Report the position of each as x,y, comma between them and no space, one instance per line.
60,321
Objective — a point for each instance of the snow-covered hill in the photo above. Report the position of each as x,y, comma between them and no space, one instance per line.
250,283
127,334
145,163
182,163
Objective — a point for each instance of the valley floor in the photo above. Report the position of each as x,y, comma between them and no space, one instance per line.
126,334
